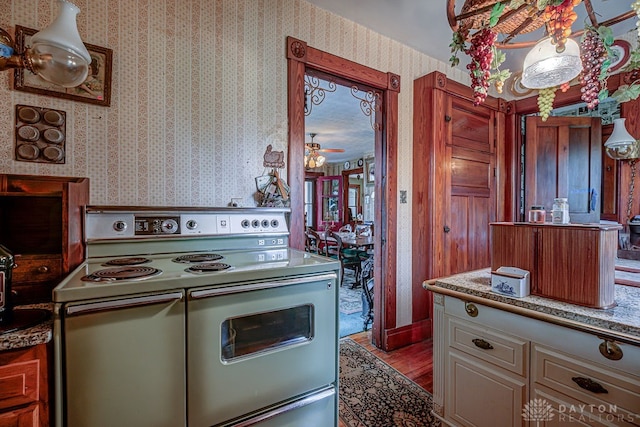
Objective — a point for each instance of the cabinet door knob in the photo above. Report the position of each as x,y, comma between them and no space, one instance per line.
43,269
479,342
610,350
447,229
589,385
471,309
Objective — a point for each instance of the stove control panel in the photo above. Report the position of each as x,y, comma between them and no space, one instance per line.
115,225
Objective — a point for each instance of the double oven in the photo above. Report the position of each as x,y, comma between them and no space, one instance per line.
195,317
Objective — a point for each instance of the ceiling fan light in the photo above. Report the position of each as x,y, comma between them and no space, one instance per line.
544,67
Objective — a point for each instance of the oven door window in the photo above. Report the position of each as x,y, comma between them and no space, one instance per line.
261,332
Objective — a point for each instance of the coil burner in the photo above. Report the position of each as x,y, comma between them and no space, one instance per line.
208,267
191,258
121,273
128,261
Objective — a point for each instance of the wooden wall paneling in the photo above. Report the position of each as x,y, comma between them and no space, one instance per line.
631,111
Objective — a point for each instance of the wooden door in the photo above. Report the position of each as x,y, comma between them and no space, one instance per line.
470,187
563,159
329,198
610,180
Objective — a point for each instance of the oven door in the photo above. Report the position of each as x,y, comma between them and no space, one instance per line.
253,345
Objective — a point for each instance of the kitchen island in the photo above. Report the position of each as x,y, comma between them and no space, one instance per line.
498,360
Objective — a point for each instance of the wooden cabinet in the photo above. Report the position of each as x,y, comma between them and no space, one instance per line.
563,159
572,263
24,387
489,365
42,226
459,180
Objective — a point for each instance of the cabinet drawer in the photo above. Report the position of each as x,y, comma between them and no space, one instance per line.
600,385
23,417
570,412
37,268
19,383
488,344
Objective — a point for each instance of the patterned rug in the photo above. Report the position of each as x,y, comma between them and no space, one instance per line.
373,394
350,299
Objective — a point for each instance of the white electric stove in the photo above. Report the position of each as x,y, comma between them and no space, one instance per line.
196,317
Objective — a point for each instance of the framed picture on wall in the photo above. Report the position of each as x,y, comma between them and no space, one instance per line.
96,89
370,170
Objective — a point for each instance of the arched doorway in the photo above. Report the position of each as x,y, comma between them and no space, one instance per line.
301,58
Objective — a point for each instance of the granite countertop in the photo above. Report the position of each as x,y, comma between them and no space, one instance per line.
622,321
39,334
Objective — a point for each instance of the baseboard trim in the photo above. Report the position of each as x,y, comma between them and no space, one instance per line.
408,334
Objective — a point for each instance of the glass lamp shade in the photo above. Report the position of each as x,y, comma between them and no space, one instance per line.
621,144
57,52
544,67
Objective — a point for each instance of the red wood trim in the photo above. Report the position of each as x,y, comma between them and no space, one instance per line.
295,83
408,334
385,217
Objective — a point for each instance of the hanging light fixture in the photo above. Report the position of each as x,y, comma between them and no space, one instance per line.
313,159
545,67
621,145
57,53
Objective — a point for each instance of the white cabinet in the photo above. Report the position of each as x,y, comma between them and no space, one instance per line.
495,367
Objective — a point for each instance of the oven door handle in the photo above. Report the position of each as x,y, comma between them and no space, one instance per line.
124,303
307,400
213,292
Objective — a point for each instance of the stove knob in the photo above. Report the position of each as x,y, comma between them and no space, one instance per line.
169,226
255,223
245,223
192,224
274,223
265,223
119,226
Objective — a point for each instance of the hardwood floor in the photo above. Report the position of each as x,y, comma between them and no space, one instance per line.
414,361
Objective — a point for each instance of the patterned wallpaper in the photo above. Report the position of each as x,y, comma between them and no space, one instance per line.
199,91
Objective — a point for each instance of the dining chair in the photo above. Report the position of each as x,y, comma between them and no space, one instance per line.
313,242
349,258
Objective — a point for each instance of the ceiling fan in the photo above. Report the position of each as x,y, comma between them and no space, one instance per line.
312,156
314,146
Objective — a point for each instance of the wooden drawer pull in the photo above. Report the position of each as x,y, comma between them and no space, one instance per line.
43,269
482,344
589,385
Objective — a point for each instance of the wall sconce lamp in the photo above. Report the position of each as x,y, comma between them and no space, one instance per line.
545,66
57,53
621,145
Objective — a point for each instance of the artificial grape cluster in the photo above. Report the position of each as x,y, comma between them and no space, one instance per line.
592,53
636,7
481,54
559,20
545,101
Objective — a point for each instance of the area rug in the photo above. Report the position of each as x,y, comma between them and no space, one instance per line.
350,299
373,394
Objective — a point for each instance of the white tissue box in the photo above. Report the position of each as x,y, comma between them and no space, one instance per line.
510,281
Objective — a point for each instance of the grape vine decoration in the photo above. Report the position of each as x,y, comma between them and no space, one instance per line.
484,67
594,53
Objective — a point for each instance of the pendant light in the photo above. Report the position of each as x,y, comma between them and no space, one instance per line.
545,67
621,145
57,53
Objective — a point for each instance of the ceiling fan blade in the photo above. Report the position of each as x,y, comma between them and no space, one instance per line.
331,150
